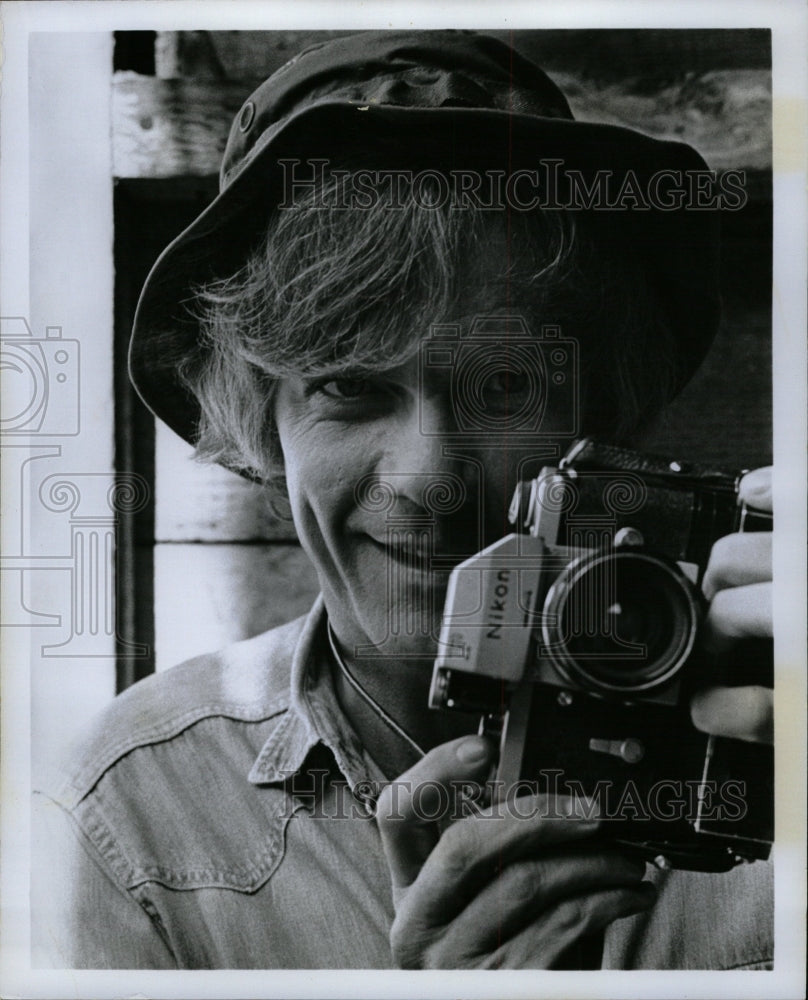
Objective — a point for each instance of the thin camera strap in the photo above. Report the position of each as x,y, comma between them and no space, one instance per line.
374,706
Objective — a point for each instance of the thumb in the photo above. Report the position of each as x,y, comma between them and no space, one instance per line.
410,808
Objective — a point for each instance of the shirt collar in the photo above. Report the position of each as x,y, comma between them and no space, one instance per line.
314,716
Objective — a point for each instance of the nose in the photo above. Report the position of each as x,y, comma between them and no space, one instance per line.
418,464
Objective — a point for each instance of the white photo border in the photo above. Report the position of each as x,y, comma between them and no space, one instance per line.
788,21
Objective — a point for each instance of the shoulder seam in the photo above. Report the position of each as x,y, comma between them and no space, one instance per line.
106,869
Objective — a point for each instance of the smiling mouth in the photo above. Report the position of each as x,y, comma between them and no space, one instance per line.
409,555
413,551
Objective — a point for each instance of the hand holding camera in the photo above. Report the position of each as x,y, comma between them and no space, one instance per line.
513,890
738,585
518,888
582,638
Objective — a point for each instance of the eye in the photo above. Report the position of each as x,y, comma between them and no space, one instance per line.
344,388
507,381
349,396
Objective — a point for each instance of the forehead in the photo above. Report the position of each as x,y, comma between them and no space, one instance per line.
494,303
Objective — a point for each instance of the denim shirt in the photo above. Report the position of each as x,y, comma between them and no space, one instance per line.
220,815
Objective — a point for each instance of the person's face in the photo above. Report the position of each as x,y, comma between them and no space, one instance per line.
397,476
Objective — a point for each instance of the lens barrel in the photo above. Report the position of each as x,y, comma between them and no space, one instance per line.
620,620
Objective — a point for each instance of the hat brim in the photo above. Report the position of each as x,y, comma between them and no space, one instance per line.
678,247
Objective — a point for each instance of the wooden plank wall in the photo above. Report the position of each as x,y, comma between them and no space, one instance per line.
225,565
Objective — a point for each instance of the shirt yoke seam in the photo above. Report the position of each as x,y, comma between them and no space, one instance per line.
76,788
132,875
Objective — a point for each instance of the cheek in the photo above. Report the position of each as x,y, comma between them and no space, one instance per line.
322,469
316,504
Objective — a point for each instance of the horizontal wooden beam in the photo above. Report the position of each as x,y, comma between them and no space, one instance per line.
725,115
165,128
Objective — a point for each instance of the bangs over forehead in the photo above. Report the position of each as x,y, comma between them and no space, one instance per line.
335,289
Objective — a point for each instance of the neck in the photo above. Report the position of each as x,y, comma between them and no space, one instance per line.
397,688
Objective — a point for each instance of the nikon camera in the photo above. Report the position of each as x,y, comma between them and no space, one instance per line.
577,641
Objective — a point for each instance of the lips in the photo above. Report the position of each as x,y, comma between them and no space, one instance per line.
409,552
432,544
421,551
405,546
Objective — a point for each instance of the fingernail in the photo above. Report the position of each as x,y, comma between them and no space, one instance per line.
473,750
755,484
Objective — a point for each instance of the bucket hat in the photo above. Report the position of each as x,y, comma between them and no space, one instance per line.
448,99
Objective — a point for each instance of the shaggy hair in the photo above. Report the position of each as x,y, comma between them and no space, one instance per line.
332,291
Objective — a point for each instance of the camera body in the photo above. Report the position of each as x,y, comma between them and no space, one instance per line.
41,391
576,640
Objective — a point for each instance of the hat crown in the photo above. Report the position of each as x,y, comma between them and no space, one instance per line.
416,69
426,99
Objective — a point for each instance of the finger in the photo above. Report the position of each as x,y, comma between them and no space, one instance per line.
755,488
410,808
577,918
737,560
737,613
472,851
544,942
526,888
745,713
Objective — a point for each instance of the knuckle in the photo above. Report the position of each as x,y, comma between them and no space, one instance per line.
724,551
738,559
458,847
570,915
526,882
721,615
725,556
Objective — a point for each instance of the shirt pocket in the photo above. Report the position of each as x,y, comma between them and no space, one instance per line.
183,814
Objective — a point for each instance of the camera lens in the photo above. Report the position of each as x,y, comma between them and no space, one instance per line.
620,620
